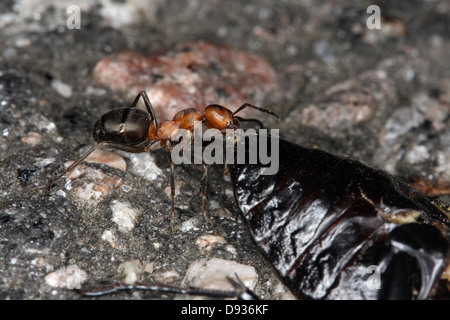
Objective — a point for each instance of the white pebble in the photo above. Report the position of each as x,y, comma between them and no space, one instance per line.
109,158
144,165
108,236
207,242
417,154
124,216
230,249
62,88
131,271
157,245
189,225
167,276
70,277
213,273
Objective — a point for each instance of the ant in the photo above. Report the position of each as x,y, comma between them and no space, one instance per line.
129,128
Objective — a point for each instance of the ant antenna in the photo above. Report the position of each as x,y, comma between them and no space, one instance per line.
248,105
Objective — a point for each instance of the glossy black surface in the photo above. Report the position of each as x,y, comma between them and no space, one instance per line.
323,220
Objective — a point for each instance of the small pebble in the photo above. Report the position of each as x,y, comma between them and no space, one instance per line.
149,267
157,245
62,88
32,138
144,165
168,191
188,225
167,276
208,242
96,184
230,249
108,236
70,277
131,271
213,273
109,158
283,292
124,216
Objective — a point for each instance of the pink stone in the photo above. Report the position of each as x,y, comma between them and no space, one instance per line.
192,75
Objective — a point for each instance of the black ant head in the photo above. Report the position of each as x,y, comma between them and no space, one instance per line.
128,126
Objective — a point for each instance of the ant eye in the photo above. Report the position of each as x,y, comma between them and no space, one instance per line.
218,107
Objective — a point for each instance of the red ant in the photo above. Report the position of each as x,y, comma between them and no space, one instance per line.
127,128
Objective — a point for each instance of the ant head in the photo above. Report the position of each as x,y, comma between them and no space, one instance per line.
129,126
220,118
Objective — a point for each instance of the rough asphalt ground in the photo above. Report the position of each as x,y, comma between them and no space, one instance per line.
382,96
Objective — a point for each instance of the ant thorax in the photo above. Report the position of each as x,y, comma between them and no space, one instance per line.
209,146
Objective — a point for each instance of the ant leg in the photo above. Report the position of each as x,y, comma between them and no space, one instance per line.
172,181
101,145
68,170
148,106
242,291
225,171
248,105
203,193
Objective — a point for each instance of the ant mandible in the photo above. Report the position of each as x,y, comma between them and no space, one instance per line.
129,128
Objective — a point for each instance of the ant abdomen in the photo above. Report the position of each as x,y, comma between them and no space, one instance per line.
129,126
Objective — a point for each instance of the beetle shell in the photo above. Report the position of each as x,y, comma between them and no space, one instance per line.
323,220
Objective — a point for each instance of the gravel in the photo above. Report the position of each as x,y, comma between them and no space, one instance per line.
382,96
